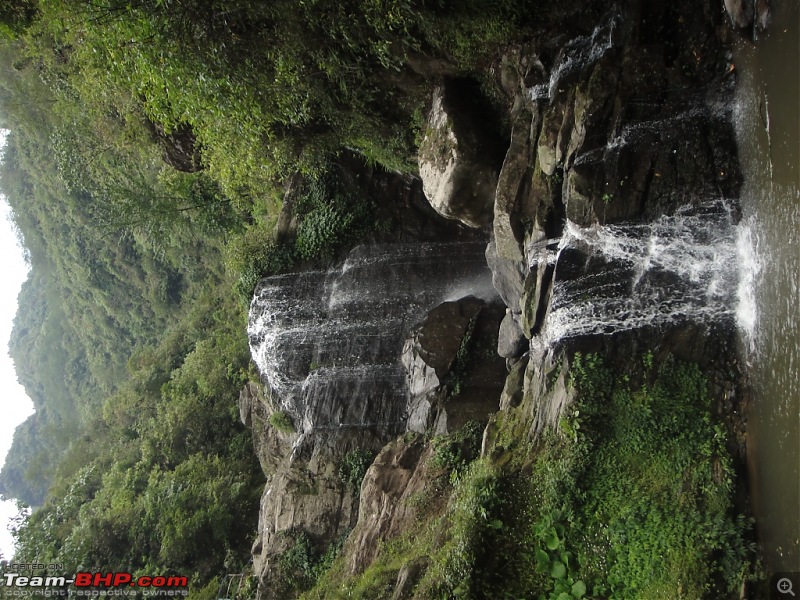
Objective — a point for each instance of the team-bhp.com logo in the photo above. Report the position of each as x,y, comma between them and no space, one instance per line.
100,584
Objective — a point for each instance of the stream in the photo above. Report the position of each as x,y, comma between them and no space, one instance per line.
769,137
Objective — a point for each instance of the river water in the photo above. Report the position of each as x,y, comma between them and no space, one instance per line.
768,103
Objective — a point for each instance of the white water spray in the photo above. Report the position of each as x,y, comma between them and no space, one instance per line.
695,265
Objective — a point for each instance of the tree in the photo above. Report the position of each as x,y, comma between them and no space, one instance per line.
16,16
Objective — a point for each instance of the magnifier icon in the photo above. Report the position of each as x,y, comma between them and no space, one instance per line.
785,586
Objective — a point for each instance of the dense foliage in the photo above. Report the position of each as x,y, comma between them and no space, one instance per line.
163,479
128,341
149,145
265,86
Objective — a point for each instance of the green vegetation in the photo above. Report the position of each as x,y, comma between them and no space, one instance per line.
127,341
282,422
354,467
301,565
150,146
330,219
456,451
265,88
162,478
636,503
149,149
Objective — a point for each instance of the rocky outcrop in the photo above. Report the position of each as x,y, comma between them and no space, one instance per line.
398,473
328,344
305,494
455,163
454,373
398,200
607,128
511,341
745,14
270,444
514,385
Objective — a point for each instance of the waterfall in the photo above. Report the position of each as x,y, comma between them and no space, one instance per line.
698,264
639,132
328,343
576,55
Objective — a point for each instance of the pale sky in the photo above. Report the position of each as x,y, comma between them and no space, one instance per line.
16,406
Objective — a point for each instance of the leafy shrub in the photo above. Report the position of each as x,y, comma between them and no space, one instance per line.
301,565
354,467
634,503
330,218
282,422
323,231
254,255
296,565
455,451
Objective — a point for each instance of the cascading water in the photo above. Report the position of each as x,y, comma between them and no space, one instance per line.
329,342
577,55
637,132
695,265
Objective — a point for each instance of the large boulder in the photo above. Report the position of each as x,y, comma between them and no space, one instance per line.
458,176
508,276
454,372
511,341
430,354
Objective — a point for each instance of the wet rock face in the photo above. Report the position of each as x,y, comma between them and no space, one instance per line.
619,127
398,472
740,12
746,14
270,445
329,342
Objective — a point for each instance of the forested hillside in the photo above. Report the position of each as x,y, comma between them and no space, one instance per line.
149,144
129,337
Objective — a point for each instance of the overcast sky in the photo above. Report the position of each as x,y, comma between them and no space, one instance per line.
15,406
